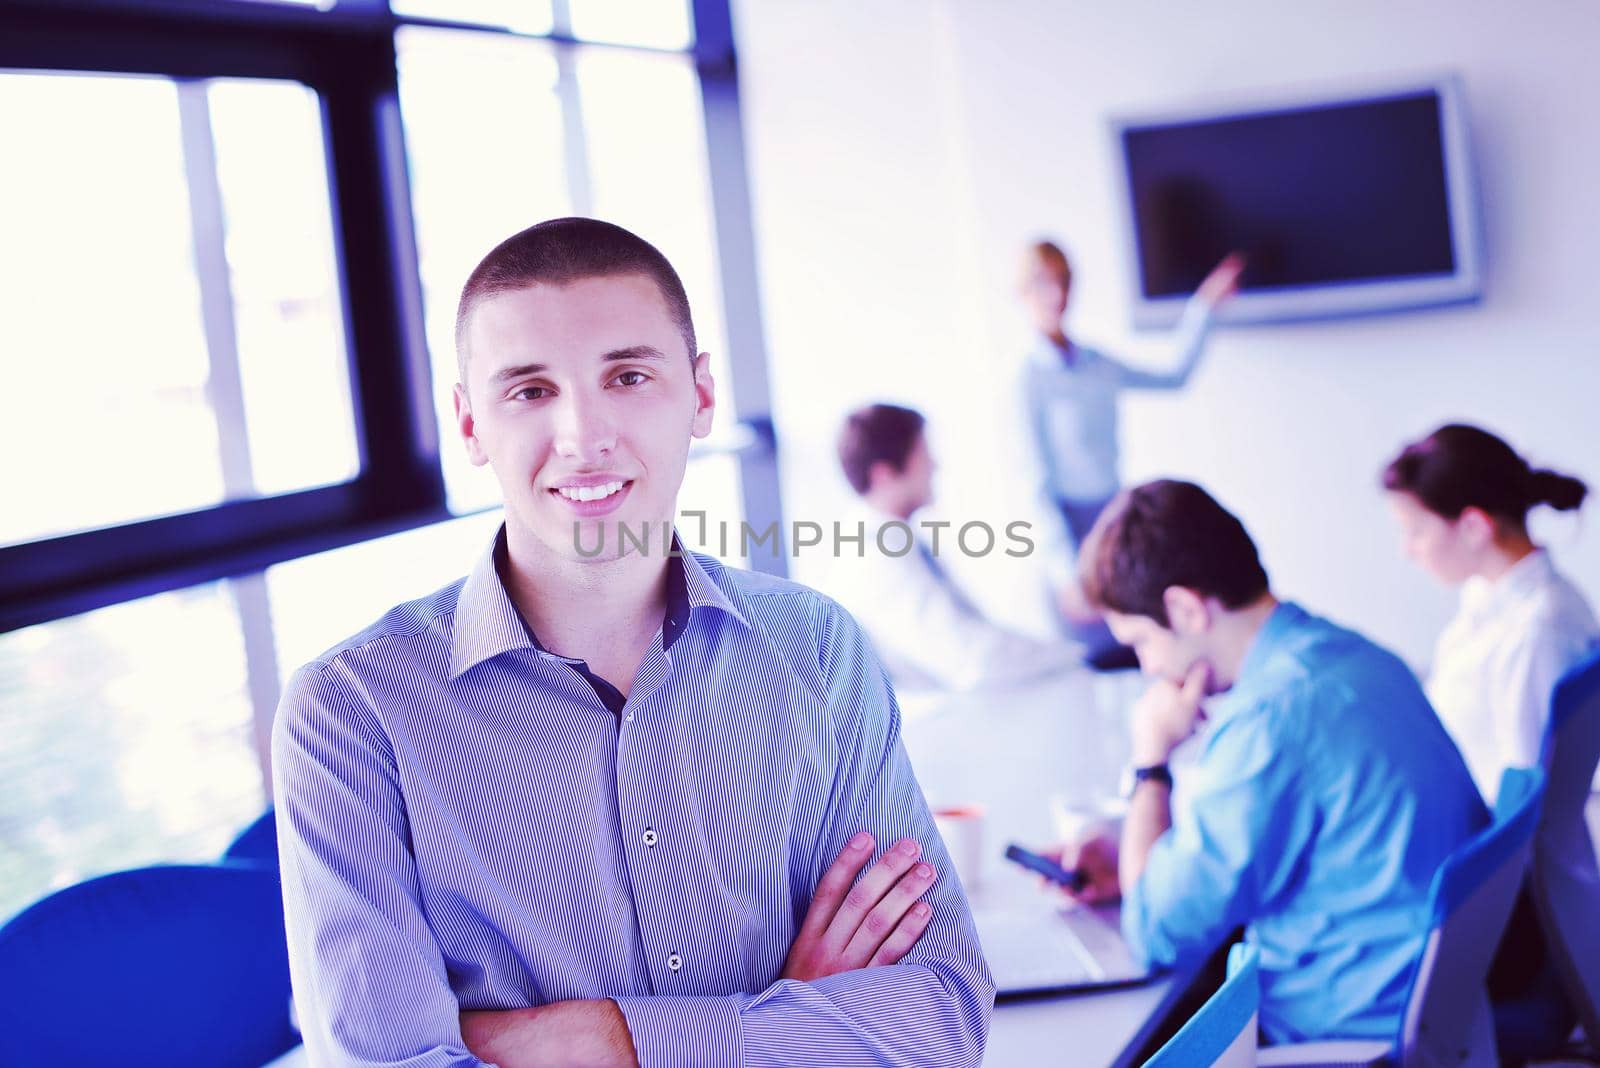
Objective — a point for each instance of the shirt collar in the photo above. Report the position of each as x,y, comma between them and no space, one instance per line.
1269,640
1050,356
487,623
1528,575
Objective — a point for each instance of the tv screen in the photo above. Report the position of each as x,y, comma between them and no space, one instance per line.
1343,206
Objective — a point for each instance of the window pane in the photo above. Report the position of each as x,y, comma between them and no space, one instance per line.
318,601
127,360
287,313
127,741
649,23
645,137
484,129
123,349
524,16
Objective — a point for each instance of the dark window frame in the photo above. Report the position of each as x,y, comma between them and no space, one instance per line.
347,55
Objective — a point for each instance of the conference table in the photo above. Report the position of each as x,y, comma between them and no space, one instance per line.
1033,756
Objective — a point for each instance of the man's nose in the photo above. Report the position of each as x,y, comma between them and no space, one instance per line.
585,429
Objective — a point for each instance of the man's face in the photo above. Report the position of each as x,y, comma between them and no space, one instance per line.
1163,653
913,484
582,401
1441,546
918,474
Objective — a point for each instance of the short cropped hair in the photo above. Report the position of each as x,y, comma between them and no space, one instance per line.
878,433
1167,533
562,251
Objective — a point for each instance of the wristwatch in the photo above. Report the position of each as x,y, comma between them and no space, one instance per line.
1132,777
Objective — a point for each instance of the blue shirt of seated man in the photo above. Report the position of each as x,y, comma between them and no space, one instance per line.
1326,794
1326,797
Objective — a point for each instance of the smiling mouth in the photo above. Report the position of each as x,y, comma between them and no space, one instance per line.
590,493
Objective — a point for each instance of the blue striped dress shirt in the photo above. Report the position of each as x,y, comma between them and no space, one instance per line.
464,824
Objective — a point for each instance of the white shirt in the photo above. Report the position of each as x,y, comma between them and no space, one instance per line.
1498,661
924,628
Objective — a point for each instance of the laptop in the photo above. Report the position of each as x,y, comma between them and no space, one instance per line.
1032,950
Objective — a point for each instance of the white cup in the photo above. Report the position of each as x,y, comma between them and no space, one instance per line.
961,827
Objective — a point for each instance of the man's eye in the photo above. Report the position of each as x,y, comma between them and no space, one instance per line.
632,378
531,393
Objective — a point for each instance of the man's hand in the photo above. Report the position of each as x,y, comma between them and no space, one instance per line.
1223,281
1167,714
563,1034
1096,857
876,921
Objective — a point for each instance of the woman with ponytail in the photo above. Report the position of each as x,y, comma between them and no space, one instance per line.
1462,497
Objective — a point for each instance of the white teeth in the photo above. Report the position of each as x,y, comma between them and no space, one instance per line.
589,493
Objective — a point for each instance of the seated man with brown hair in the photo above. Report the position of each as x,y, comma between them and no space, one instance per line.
1325,795
924,626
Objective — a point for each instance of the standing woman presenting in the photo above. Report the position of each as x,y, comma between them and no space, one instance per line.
1462,498
1070,392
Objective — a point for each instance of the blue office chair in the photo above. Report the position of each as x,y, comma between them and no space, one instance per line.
150,968
257,843
1223,1033
1565,882
1447,1019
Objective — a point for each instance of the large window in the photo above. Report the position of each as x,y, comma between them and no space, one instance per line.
127,741
235,231
173,333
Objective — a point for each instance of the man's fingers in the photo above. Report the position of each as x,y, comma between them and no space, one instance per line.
886,915
868,891
904,936
834,885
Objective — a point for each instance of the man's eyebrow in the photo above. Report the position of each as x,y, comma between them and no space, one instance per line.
506,374
634,352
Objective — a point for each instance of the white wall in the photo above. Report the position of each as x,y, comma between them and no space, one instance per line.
902,152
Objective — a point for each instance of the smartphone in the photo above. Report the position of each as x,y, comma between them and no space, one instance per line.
1072,880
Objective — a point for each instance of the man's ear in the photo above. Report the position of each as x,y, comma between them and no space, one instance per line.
1187,611
705,395
468,426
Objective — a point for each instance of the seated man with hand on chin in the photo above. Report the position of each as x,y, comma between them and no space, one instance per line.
1325,796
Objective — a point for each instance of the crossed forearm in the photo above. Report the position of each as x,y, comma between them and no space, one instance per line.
562,1034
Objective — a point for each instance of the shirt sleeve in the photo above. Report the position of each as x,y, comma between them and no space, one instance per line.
931,1008
920,623
1190,342
369,982
1235,843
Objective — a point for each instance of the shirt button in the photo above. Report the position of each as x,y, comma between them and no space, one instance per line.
674,962
650,838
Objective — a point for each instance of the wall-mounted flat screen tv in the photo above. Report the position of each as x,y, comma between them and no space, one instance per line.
1345,205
